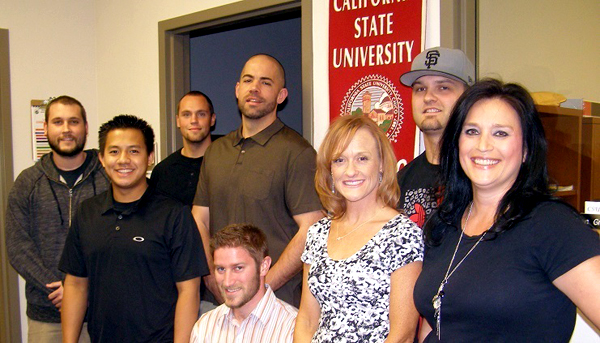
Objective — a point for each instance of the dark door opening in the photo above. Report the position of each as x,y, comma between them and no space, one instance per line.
217,55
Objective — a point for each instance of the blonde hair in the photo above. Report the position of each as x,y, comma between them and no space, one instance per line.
340,134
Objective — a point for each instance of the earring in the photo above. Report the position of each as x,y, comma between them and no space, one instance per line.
332,185
380,177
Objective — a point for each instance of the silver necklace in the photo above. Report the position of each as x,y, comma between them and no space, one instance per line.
437,298
356,228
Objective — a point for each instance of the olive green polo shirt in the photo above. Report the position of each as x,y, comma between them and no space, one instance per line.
263,180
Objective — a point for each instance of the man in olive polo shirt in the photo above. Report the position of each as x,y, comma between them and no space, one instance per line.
261,174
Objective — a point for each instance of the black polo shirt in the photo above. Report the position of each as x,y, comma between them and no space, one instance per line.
133,260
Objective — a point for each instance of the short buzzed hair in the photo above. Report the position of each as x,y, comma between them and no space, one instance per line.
281,68
197,93
244,236
67,101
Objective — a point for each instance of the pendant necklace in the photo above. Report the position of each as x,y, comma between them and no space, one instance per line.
437,298
356,228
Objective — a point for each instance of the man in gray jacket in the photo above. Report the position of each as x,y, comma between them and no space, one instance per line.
40,208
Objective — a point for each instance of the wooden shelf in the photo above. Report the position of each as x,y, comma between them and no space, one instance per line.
563,129
559,111
565,193
590,161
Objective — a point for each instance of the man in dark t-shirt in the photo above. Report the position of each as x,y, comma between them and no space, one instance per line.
438,77
177,175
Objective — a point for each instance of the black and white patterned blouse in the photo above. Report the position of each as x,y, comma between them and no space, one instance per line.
354,293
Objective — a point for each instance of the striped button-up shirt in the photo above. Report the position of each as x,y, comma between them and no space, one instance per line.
272,321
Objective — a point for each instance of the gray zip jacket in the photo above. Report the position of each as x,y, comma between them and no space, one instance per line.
40,209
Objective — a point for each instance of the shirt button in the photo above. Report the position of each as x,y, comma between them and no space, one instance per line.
120,216
118,228
243,151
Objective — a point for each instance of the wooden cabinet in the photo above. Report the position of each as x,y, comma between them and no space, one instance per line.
590,159
563,128
573,153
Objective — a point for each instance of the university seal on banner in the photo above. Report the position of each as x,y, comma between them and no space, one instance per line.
376,97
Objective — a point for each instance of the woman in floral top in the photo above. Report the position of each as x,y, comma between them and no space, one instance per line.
361,262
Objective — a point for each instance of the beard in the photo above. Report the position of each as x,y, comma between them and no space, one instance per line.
258,113
250,291
78,148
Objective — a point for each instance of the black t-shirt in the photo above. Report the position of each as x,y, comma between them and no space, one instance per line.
177,176
418,188
71,176
120,207
503,291
133,260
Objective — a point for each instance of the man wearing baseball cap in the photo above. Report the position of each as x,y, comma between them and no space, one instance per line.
438,77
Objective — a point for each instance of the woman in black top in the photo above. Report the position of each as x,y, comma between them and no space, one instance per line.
504,261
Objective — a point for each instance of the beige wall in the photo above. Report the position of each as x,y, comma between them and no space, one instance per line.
52,52
127,45
546,45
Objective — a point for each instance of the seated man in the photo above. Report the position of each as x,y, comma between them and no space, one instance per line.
132,255
251,312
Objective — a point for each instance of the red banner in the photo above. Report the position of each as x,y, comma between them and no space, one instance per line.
371,43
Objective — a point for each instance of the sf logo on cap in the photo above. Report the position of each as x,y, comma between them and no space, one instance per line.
431,58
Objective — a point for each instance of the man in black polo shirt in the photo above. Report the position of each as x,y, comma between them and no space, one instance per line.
133,254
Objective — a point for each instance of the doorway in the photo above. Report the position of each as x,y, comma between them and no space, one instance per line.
217,57
175,37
